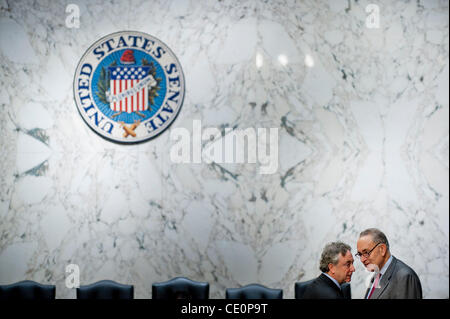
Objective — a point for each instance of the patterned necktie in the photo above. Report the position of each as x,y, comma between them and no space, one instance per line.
375,285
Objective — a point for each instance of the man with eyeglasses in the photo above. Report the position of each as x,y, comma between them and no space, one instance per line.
393,279
336,264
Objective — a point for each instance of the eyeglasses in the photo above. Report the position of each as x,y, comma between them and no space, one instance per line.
366,255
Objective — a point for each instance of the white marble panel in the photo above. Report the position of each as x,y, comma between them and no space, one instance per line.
14,42
362,118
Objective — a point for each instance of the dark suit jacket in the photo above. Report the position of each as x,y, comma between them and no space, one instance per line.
323,288
398,282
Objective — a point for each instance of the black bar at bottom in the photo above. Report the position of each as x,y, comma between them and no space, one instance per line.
221,308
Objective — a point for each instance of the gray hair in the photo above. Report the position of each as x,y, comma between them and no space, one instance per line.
330,254
378,237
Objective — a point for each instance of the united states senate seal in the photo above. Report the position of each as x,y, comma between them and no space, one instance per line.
129,87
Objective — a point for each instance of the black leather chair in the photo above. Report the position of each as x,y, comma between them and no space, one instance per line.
105,289
180,288
27,289
253,291
300,288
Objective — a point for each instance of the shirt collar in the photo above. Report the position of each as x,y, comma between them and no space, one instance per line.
334,280
386,266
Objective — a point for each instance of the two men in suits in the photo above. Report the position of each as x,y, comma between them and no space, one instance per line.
336,264
393,279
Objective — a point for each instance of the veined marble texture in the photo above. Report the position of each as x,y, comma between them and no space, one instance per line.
363,127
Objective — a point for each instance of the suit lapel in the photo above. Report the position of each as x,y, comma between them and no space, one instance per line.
367,292
332,284
370,286
385,279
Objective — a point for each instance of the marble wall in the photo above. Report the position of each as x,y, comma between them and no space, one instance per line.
363,127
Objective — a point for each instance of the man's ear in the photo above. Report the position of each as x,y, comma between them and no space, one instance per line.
383,249
331,268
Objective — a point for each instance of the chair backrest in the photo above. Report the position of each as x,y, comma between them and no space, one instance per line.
27,289
300,288
180,288
105,289
253,291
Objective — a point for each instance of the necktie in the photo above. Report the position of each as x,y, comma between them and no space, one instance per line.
375,285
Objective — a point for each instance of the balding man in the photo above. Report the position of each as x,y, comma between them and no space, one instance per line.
393,279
